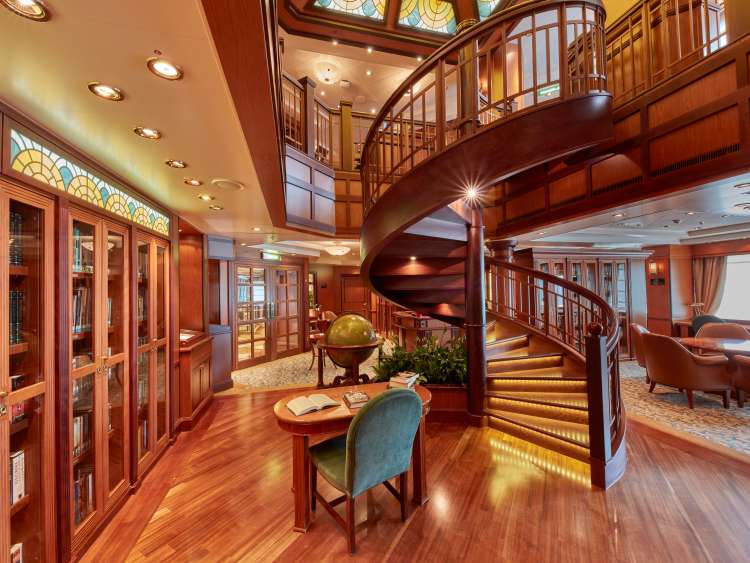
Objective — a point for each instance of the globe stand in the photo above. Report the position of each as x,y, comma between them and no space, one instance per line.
351,372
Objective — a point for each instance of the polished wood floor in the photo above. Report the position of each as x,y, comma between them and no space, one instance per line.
222,493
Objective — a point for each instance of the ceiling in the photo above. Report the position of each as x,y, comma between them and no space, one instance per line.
704,214
46,68
312,249
328,65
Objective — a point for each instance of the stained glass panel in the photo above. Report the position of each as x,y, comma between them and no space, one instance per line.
31,158
374,9
485,7
430,15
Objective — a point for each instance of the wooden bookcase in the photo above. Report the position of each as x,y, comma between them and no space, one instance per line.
98,309
27,375
151,395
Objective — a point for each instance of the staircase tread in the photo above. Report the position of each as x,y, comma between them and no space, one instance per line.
507,339
550,427
523,353
576,401
552,372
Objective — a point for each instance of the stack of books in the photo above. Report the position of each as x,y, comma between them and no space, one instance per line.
15,250
356,399
404,379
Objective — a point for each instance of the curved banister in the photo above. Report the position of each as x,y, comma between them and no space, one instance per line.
536,53
575,318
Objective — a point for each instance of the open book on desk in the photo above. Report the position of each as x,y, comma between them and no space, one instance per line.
304,405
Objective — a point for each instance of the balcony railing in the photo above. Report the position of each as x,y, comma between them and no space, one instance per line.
293,105
657,39
516,60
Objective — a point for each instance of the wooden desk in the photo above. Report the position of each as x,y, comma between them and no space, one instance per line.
335,420
720,345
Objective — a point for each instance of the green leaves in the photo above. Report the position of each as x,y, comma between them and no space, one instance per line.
434,363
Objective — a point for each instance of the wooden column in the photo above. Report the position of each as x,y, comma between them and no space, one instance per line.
468,75
347,154
502,249
737,17
309,114
476,322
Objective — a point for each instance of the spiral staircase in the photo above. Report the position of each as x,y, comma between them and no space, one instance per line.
476,112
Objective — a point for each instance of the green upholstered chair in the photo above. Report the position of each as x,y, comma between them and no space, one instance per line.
376,448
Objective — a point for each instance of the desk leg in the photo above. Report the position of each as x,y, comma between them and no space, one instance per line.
320,366
301,480
418,464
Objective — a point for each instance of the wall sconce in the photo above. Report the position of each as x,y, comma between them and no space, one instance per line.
653,268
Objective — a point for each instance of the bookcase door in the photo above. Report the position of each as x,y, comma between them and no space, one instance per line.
144,443
161,331
86,267
115,379
26,377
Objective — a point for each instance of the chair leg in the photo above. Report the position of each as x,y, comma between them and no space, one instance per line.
690,398
651,387
313,486
726,396
350,524
403,487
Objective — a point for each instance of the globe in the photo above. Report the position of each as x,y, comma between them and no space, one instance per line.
350,330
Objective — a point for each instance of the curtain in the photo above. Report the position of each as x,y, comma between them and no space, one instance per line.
709,275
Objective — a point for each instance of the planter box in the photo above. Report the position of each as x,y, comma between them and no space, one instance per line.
449,404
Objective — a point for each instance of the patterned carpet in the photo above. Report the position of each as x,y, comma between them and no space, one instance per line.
709,419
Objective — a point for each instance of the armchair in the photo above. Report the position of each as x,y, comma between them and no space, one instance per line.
742,378
723,330
638,331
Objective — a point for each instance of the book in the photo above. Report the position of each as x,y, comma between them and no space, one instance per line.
304,405
17,381
404,379
356,399
17,476
16,553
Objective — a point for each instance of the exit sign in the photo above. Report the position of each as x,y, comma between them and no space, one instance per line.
270,256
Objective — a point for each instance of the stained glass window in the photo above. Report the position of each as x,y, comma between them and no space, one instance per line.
430,15
485,7
374,9
31,158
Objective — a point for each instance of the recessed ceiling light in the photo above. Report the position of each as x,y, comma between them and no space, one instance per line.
322,92
106,92
147,133
193,182
541,232
243,244
413,258
29,9
724,216
618,215
256,229
206,197
228,185
369,49
335,42
742,186
368,72
176,163
419,59
164,69
690,213
215,207
372,110
471,192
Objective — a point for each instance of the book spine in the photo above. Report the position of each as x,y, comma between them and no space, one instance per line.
17,476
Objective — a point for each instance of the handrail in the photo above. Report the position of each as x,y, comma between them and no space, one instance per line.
516,60
293,112
576,318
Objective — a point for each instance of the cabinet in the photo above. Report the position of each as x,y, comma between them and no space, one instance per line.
617,277
151,411
27,379
195,376
98,331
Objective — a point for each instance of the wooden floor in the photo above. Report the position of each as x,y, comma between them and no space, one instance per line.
222,493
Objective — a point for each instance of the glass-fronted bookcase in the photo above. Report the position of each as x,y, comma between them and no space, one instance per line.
27,381
98,316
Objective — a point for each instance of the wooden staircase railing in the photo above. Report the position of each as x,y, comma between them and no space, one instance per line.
534,54
587,327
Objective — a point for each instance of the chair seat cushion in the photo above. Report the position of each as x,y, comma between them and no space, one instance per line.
330,459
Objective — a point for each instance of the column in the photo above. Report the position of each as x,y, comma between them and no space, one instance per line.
476,320
347,144
502,249
309,114
737,14
469,77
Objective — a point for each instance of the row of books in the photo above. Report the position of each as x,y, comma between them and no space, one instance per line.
82,257
15,246
82,432
404,380
83,492
17,299
81,309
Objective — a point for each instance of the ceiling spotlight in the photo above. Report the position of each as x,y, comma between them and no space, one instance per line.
471,193
176,163
193,182
29,9
337,249
215,207
105,91
413,258
618,215
335,41
368,72
206,197
743,206
742,186
256,229
369,49
322,92
147,133
164,69
419,59
690,213
724,216
372,110
541,233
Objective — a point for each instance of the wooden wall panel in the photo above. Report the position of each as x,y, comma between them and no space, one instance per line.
626,128
526,204
616,171
348,203
323,210
568,188
681,281
298,202
191,282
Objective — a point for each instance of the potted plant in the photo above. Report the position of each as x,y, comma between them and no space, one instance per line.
441,368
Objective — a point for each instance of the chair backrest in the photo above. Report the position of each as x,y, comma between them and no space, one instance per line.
723,330
638,331
380,439
668,362
701,320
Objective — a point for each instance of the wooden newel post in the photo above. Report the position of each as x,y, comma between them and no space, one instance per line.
600,435
476,318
